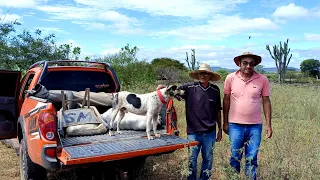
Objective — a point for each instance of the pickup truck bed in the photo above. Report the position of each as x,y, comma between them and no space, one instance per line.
88,149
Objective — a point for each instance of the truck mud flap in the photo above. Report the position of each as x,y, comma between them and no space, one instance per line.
121,149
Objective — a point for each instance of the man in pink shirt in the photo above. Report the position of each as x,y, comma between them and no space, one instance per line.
244,91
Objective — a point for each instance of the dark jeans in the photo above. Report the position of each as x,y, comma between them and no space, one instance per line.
206,145
249,137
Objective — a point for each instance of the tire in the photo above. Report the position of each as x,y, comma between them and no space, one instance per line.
136,167
28,169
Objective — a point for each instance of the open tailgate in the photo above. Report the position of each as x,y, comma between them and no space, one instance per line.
90,149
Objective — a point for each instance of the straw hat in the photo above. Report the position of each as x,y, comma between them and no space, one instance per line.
205,68
256,58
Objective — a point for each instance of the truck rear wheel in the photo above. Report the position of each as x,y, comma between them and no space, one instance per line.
136,167
28,169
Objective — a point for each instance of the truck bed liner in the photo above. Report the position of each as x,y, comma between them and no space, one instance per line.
121,146
126,145
70,141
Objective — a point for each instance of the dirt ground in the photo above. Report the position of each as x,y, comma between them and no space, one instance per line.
9,168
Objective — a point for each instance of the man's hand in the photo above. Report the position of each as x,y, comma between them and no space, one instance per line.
226,128
268,132
219,136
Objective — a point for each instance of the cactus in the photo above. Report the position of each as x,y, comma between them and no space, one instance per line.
280,56
192,63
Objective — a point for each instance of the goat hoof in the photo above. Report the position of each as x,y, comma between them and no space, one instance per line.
119,132
157,135
150,137
111,133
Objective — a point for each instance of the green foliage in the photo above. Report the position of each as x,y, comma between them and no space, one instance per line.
280,56
135,73
168,69
129,69
310,67
223,73
124,57
168,62
273,77
292,75
259,69
26,48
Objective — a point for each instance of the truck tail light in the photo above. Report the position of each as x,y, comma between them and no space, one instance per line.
47,126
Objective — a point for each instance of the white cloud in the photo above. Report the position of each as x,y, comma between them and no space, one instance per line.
69,12
28,14
114,16
4,17
220,27
290,11
94,18
312,37
18,3
274,3
111,51
48,30
312,53
91,25
178,8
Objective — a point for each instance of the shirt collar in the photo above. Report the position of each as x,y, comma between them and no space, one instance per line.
254,76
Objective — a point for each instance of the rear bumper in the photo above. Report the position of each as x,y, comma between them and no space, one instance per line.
49,163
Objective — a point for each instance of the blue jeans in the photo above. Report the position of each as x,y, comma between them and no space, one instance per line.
206,144
249,137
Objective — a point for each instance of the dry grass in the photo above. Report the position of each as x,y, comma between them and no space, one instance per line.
292,153
9,164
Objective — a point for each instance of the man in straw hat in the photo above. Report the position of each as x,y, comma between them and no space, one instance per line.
244,91
203,112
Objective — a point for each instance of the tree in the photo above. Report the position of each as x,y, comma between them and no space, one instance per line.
170,74
259,69
168,62
124,57
310,67
192,63
281,58
129,69
22,50
223,73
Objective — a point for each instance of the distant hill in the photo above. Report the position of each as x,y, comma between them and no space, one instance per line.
214,68
274,69
270,69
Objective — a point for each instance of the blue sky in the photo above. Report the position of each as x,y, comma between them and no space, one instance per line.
218,30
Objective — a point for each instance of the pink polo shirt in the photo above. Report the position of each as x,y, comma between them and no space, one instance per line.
246,97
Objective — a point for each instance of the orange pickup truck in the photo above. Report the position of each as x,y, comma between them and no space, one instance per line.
34,120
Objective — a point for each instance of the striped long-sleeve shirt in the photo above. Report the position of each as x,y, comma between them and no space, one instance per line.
202,107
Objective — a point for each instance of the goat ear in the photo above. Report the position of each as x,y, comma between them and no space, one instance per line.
172,87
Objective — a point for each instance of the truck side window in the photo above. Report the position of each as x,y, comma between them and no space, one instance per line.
26,87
